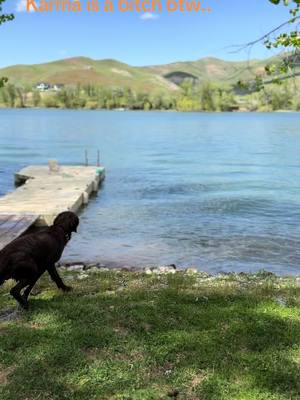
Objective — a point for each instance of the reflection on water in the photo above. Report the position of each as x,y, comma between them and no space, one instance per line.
219,191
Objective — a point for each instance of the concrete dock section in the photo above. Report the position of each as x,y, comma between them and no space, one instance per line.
43,193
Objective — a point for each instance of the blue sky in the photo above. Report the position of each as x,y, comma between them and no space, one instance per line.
136,38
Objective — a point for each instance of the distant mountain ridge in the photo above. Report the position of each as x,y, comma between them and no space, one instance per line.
112,73
210,68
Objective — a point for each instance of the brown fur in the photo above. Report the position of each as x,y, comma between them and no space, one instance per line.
29,256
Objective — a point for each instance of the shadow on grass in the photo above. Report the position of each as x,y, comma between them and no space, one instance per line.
141,343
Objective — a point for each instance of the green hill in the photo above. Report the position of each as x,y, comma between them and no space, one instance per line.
108,73
112,73
110,84
212,69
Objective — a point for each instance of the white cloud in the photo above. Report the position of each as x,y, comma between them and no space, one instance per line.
22,6
148,16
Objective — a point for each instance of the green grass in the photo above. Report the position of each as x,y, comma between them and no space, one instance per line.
122,335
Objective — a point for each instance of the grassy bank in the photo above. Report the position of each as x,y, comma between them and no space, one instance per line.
125,335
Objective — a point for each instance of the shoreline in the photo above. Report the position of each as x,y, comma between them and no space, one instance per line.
91,267
154,110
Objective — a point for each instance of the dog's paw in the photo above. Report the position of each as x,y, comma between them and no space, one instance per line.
67,288
24,305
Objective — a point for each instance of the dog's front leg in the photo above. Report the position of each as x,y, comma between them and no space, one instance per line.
57,279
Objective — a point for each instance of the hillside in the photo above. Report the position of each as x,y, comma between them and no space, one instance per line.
112,73
212,69
111,84
108,73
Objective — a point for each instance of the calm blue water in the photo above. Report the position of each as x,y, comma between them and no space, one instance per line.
219,191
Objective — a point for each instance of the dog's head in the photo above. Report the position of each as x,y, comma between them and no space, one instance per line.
68,221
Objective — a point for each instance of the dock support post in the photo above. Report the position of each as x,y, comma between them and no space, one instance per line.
85,198
95,185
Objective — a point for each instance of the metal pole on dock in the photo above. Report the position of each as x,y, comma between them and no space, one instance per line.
98,158
86,158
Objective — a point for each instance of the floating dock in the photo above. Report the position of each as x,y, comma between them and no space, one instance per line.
42,194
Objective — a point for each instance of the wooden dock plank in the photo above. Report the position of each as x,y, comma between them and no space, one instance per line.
12,226
5,219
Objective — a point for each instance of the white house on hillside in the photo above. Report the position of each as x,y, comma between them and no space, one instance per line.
45,87
42,86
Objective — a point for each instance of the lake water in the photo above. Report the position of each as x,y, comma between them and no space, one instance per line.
218,191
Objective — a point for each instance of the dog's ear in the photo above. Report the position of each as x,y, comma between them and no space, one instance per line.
74,222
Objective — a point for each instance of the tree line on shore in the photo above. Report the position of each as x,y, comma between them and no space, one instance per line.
206,96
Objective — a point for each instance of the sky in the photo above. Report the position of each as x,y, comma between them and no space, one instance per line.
138,38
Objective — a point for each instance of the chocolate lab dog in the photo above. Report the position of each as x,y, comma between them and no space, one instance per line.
29,256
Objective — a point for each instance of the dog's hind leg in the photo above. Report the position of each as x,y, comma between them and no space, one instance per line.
24,272
16,292
29,288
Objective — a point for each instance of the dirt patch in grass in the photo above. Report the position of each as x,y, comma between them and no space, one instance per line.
120,330
10,314
197,380
5,373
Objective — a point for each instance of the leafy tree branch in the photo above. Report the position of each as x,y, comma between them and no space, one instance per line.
4,18
284,39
